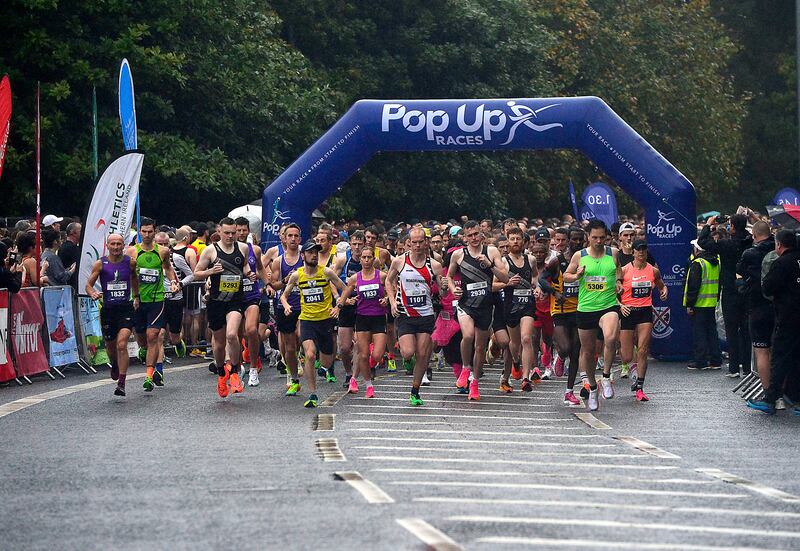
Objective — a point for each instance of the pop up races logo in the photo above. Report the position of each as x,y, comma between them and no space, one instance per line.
278,218
665,227
485,123
661,319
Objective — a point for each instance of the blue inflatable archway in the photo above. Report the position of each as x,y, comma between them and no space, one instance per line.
583,123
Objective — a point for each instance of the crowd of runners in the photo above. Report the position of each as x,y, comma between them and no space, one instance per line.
560,300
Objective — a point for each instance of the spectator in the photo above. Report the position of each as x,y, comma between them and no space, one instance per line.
52,221
10,271
69,253
782,282
760,315
734,308
26,243
53,272
700,299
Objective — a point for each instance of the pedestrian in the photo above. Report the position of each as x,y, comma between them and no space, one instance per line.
700,297
70,252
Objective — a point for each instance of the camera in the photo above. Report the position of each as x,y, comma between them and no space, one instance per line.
12,257
722,218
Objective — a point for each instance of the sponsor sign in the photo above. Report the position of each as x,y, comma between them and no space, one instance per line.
7,371
26,332
60,319
661,322
93,346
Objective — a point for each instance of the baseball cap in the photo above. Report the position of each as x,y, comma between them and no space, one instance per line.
393,234
696,246
542,233
51,219
627,226
454,231
640,245
310,245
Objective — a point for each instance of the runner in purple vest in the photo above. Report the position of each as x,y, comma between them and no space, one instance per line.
252,287
370,317
116,315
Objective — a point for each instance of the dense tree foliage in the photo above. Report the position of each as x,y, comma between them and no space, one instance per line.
229,93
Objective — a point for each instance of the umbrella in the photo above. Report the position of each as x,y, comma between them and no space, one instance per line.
787,216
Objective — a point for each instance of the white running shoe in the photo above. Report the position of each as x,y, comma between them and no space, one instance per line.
593,404
608,388
425,380
253,379
548,372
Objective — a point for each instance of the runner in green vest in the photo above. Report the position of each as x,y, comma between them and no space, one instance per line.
600,275
152,265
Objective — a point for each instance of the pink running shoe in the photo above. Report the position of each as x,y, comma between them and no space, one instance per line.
463,379
641,396
474,394
353,387
570,399
558,367
536,376
370,392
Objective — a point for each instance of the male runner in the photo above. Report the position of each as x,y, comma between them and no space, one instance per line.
252,289
347,266
191,289
600,275
316,315
477,264
173,302
409,285
282,268
116,316
152,266
225,264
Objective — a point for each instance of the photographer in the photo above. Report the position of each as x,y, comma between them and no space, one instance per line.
734,310
10,271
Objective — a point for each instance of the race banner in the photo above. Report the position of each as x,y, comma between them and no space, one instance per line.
26,332
7,371
127,107
601,201
787,196
60,320
5,117
111,210
92,344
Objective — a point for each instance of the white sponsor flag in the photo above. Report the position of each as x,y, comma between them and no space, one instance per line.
111,211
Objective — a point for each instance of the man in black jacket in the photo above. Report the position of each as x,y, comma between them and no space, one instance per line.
782,282
704,324
760,315
734,310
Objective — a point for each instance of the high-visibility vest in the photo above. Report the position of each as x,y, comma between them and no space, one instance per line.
709,284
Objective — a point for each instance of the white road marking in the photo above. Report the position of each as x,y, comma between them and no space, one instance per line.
476,408
521,397
371,492
594,544
493,451
333,399
328,450
324,422
647,448
589,489
492,442
430,536
22,403
443,415
483,432
627,525
464,400
591,465
750,485
591,420
417,422
570,504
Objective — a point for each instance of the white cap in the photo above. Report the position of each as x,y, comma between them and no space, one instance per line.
51,219
626,226
696,246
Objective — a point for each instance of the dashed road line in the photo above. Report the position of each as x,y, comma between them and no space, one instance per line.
647,448
441,415
463,401
371,492
477,408
594,544
328,450
591,420
492,442
493,451
481,432
592,465
417,422
750,485
434,539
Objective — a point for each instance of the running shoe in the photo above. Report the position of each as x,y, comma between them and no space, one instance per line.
236,383
570,399
593,403
119,391
212,367
158,378
311,402
321,371
281,367
714,367
329,376
558,367
197,353
547,374
391,365
222,386
148,384
623,373
293,389
415,400
180,349
252,379
425,380
114,372
608,388
352,386
408,365
142,355
585,390
463,379
506,388
526,386
516,371
641,396
601,363
536,376
370,392
474,394
761,405
241,372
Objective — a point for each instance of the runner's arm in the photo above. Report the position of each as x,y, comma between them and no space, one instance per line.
574,272
500,271
349,288
202,271
290,284
451,271
660,285
90,290
391,281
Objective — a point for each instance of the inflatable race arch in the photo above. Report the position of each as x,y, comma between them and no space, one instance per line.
583,123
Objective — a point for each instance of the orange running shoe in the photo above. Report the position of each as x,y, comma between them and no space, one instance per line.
506,388
236,383
516,371
222,386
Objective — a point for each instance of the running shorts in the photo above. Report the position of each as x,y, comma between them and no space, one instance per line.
642,314
482,317
372,324
173,310
407,325
321,332
115,318
347,316
569,320
591,320
218,311
149,315
284,323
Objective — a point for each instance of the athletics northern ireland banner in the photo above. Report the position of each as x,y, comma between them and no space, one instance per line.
60,319
7,371
5,118
26,332
111,210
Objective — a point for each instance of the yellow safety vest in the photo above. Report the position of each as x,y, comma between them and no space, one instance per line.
709,285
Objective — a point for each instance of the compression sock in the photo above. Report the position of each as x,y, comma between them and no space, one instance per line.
121,381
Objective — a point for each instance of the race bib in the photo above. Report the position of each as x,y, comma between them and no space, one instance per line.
416,301
571,289
247,285
522,296
641,289
312,295
149,275
369,291
229,283
596,284
117,290
477,289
